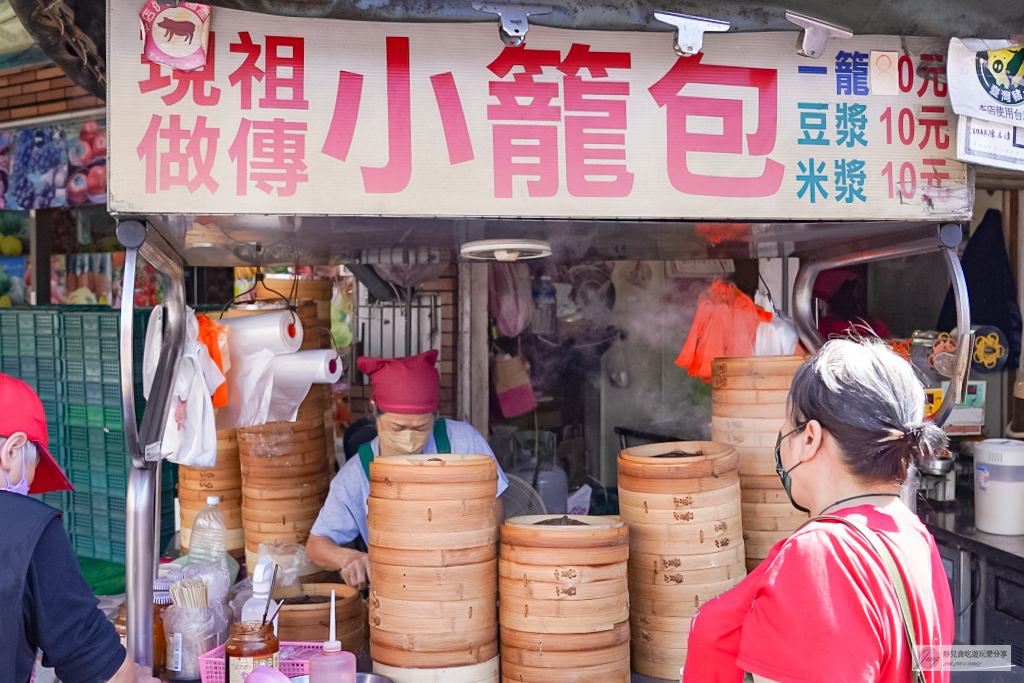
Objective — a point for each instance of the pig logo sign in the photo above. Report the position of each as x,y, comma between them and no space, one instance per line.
176,35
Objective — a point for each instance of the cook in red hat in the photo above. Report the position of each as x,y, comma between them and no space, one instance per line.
404,405
25,458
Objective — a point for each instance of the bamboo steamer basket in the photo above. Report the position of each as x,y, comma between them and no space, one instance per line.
486,672
302,288
744,393
432,546
683,504
311,622
232,516
582,605
234,540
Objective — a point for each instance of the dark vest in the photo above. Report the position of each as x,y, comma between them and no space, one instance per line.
24,520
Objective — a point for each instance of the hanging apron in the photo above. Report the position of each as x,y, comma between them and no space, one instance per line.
440,440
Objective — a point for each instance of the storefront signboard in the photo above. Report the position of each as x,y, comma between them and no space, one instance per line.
315,116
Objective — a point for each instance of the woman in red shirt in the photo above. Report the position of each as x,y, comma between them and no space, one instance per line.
822,606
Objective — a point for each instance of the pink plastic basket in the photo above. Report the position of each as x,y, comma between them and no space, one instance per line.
294,661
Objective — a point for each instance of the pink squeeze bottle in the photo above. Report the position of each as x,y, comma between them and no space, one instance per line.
334,665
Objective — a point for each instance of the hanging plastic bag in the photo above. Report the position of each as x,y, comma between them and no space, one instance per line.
151,350
510,297
512,385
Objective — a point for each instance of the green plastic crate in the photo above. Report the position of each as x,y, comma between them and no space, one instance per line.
49,389
49,368
10,365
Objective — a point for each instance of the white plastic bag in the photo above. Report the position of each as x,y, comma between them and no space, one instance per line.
511,297
151,351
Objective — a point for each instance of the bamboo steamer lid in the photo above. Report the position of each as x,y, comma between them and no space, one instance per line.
476,612
700,532
437,469
564,575
676,502
433,642
436,583
486,672
573,661
465,656
564,531
680,486
744,425
210,487
566,642
653,573
428,492
756,366
617,671
559,556
298,458
682,517
675,460
678,562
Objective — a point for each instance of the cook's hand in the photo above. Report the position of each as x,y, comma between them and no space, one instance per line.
143,674
356,572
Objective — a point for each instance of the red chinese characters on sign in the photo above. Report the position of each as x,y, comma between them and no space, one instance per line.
274,160
396,174
667,93
531,148
185,160
285,72
200,81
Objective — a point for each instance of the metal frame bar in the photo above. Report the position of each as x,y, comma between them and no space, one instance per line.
944,238
143,496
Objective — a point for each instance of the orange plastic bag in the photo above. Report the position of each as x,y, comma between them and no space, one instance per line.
725,325
210,333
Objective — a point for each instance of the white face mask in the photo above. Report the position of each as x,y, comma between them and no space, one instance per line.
405,442
22,486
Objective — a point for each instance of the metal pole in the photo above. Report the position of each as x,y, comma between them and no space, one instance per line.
408,321
785,278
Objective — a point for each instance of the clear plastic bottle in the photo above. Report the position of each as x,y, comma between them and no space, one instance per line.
208,541
545,303
334,665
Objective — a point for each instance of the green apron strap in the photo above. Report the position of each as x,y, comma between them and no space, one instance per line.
366,457
441,437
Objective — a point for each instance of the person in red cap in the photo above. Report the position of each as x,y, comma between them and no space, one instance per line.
45,602
404,404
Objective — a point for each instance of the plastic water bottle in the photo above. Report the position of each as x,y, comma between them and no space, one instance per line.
209,533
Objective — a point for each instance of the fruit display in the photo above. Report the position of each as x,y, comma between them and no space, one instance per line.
87,156
40,168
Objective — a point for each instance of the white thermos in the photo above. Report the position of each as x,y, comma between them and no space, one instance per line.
999,487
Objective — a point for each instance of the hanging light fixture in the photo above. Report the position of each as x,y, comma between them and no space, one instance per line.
506,251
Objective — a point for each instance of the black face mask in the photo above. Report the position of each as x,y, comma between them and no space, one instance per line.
787,482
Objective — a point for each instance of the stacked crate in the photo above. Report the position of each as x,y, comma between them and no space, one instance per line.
70,356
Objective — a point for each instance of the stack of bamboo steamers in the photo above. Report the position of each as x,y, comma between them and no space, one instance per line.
286,474
223,480
682,504
564,602
748,407
433,548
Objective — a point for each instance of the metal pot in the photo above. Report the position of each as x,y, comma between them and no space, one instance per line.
939,466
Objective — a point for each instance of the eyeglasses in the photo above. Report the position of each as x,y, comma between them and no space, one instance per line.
778,444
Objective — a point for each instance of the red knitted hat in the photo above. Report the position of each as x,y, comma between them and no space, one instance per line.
404,385
22,411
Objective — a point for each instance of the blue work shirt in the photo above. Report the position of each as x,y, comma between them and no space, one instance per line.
343,516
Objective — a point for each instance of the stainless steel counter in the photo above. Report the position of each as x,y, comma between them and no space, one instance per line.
954,524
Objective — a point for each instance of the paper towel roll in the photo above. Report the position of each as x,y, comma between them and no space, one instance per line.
277,331
294,374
